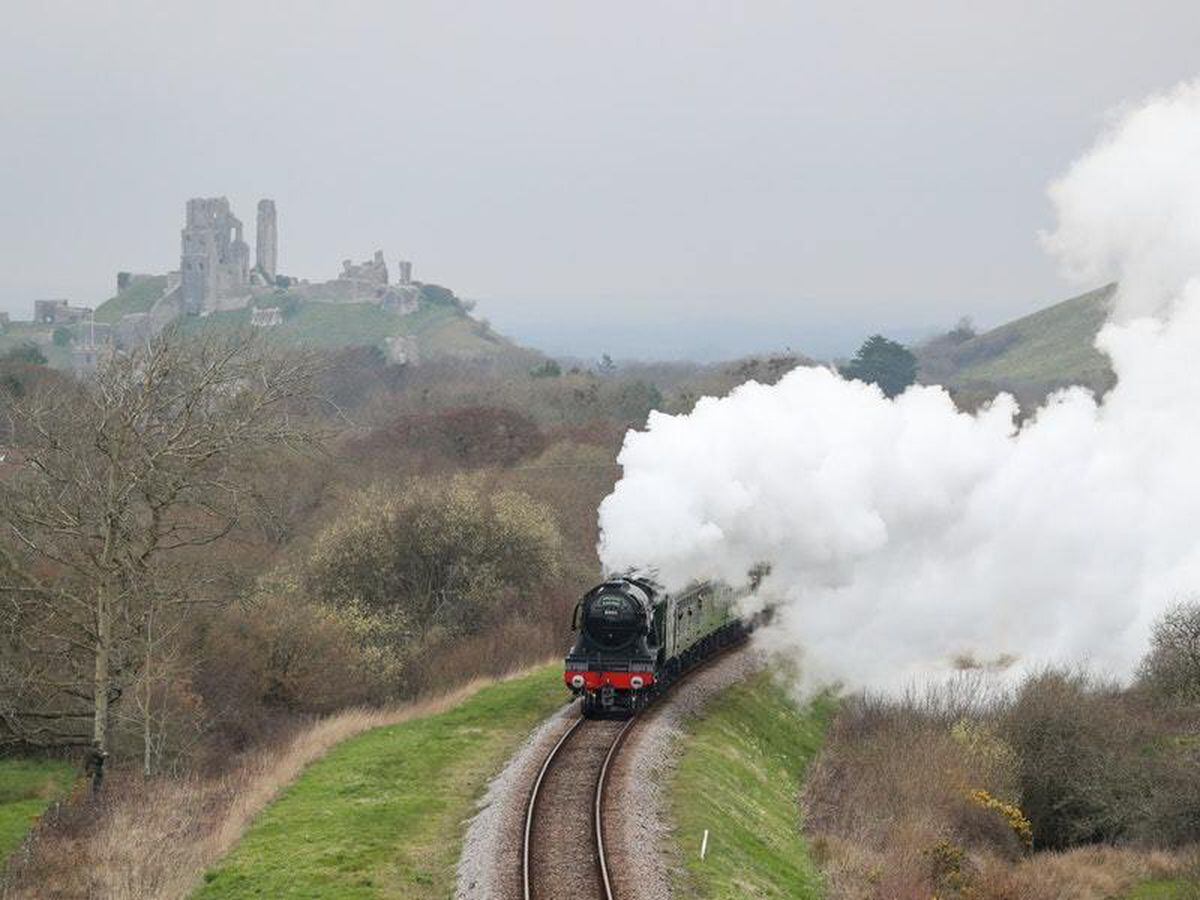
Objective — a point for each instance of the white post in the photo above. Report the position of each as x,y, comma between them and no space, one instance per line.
704,845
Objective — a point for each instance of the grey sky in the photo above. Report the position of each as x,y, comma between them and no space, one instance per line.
804,169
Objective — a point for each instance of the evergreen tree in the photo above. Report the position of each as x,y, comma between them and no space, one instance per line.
885,363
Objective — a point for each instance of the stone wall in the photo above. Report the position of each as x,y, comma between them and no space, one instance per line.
214,259
266,245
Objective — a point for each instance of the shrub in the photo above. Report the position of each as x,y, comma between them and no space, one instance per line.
1081,773
437,553
1171,670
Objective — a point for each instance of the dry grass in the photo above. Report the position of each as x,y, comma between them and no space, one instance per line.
155,839
889,811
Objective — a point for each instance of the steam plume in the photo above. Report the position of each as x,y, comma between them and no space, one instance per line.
903,534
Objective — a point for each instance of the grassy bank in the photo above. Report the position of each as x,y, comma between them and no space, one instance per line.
739,778
383,814
27,787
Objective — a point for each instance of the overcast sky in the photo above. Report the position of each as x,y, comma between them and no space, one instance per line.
701,177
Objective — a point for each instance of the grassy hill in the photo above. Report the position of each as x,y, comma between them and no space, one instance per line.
1031,356
137,298
440,328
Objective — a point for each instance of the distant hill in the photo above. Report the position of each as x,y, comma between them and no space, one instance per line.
137,298
1029,357
435,330
440,327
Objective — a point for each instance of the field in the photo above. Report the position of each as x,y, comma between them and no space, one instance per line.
739,778
27,787
383,814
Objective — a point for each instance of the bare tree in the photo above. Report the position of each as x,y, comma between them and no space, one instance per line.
118,482
1172,667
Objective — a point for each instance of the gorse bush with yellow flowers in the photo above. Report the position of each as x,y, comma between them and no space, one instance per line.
971,791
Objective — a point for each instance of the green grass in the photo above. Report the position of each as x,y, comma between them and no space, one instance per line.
27,787
1175,889
739,778
384,814
440,330
136,298
1051,347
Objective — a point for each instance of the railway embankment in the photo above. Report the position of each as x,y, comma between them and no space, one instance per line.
382,814
737,779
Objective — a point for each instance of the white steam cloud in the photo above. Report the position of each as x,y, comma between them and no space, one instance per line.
903,534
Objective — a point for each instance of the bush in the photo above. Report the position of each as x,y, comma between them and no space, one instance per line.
1171,670
278,657
27,353
436,553
1081,774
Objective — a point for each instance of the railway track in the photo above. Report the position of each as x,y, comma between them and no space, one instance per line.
563,849
563,852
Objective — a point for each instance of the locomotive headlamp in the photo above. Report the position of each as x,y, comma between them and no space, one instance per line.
577,681
637,682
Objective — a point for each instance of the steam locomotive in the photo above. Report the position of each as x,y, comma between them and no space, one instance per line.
633,639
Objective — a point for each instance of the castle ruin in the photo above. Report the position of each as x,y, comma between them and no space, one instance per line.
215,262
266,241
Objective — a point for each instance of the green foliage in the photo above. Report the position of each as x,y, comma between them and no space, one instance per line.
738,778
383,814
885,363
547,369
28,354
27,787
437,295
437,553
635,400
61,337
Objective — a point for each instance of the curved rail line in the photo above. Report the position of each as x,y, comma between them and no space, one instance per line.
527,844
597,826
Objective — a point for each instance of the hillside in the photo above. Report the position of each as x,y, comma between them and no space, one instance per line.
441,327
742,767
137,298
1030,356
437,329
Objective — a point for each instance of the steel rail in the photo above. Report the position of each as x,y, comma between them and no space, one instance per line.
598,824
526,869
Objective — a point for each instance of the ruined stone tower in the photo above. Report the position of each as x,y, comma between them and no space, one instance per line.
215,261
266,242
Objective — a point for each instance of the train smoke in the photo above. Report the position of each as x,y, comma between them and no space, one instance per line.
904,535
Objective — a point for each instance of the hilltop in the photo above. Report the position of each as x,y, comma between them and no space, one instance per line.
219,285
1029,357
439,326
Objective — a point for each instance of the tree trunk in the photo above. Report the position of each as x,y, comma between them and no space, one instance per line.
103,678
